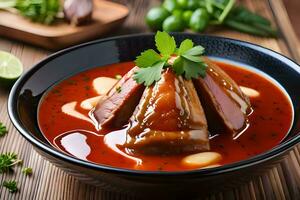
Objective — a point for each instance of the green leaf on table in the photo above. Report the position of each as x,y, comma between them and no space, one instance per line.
8,161
3,130
11,186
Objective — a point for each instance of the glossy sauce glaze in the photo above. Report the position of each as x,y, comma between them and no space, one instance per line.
268,123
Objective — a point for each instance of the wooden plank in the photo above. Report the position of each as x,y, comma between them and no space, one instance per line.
292,8
49,182
286,28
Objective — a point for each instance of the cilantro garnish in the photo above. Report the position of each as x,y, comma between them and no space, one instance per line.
7,161
147,58
150,74
11,186
3,130
187,63
165,44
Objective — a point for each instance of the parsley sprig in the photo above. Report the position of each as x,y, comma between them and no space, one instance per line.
8,161
3,130
187,62
11,186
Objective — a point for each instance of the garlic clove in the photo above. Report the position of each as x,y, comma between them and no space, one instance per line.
103,84
78,12
201,160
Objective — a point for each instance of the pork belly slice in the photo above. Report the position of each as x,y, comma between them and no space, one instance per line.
169,119
116,107
225,105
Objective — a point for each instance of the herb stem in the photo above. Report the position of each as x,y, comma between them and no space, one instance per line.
208,5
227,10
16,162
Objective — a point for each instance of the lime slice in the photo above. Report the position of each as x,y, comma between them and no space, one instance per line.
11,68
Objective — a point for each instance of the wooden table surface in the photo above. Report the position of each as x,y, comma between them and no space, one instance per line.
293,7
49,182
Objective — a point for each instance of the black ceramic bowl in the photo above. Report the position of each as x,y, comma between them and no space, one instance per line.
27,92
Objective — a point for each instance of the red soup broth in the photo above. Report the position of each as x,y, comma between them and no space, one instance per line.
268,123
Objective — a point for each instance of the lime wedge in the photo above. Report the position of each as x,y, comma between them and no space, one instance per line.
11,68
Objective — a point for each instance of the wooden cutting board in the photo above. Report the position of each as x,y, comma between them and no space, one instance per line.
106,16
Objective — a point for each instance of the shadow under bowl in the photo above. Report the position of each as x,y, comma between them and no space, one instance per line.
27,92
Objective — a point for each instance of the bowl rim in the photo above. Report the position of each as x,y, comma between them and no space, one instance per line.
255,160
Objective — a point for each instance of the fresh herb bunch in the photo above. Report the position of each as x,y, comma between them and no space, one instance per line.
8,161
11,186
186,60
3,130
42,11
197,15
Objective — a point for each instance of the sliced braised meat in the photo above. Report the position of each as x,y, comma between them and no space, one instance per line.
115,109
224,103
168,119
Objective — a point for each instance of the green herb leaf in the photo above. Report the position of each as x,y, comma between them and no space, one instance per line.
11,186
186,45
195,51
7,161
189,68
43,11
3,130
165,43
196,59
27,171
150,74
187,63
147,58
178,66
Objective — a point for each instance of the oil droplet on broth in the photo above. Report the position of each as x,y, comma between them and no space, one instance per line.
118,138
75,143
